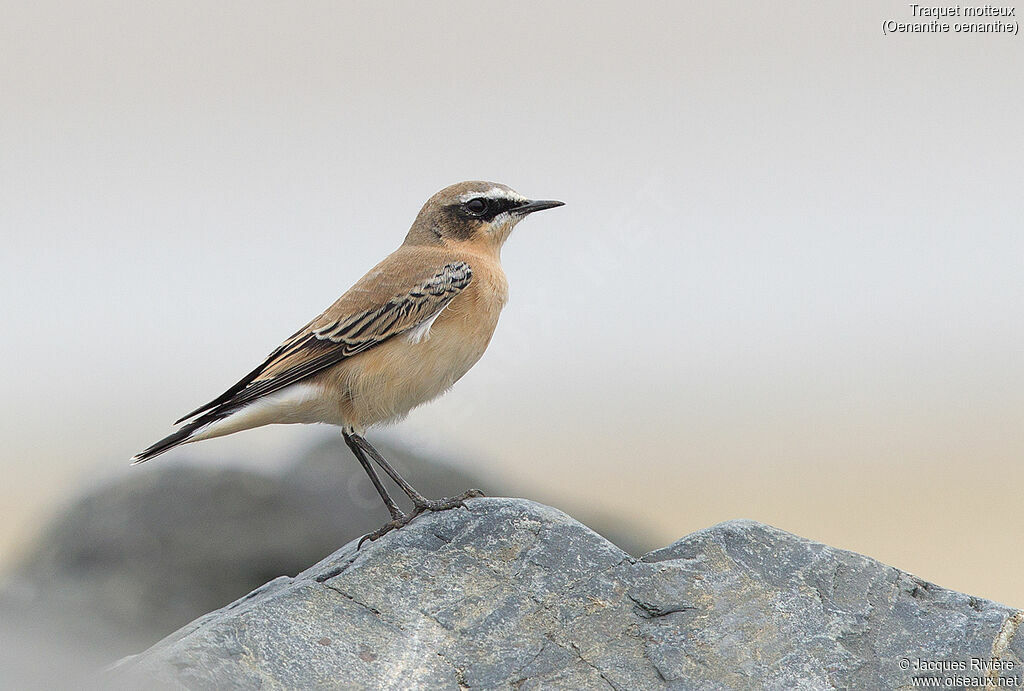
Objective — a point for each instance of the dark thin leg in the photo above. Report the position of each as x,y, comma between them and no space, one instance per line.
417,498
420,502
396,513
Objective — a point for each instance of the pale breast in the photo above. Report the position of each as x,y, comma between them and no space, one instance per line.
391,379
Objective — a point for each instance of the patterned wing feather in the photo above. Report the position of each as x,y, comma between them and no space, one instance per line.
340,333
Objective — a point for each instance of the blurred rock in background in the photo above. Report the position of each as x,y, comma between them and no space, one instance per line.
132,561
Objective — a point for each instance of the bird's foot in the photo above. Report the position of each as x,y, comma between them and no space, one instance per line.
402,519
447,502
397,521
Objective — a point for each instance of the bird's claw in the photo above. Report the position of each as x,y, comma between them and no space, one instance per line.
447,502
403,519
393,524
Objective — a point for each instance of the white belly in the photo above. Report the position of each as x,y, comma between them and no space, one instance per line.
300,402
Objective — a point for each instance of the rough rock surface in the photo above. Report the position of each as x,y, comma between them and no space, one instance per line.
136,559
506,593
167,543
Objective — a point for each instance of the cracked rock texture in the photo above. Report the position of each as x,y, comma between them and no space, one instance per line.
506,593
134,559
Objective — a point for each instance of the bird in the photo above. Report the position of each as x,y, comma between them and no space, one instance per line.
401,336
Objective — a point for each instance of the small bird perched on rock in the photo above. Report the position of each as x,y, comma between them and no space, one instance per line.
401,336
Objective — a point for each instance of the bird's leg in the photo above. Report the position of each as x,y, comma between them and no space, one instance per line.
398,517
420,502
393,509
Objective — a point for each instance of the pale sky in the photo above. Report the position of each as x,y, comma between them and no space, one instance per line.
787,283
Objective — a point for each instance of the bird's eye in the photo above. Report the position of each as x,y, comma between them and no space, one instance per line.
476,206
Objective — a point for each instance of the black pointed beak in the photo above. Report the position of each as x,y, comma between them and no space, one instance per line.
540,205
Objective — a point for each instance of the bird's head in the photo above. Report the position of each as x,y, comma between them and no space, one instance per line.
475,212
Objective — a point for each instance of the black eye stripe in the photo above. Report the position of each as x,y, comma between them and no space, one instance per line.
472,208
505,204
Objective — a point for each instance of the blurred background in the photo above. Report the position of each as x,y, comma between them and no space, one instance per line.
787,283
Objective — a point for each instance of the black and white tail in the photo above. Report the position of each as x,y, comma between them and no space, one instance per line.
177,438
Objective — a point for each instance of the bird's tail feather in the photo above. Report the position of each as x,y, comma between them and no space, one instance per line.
177,438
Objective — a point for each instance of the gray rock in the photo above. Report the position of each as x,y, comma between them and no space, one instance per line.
133,560
506,593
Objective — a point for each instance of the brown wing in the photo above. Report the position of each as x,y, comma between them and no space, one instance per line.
367,315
